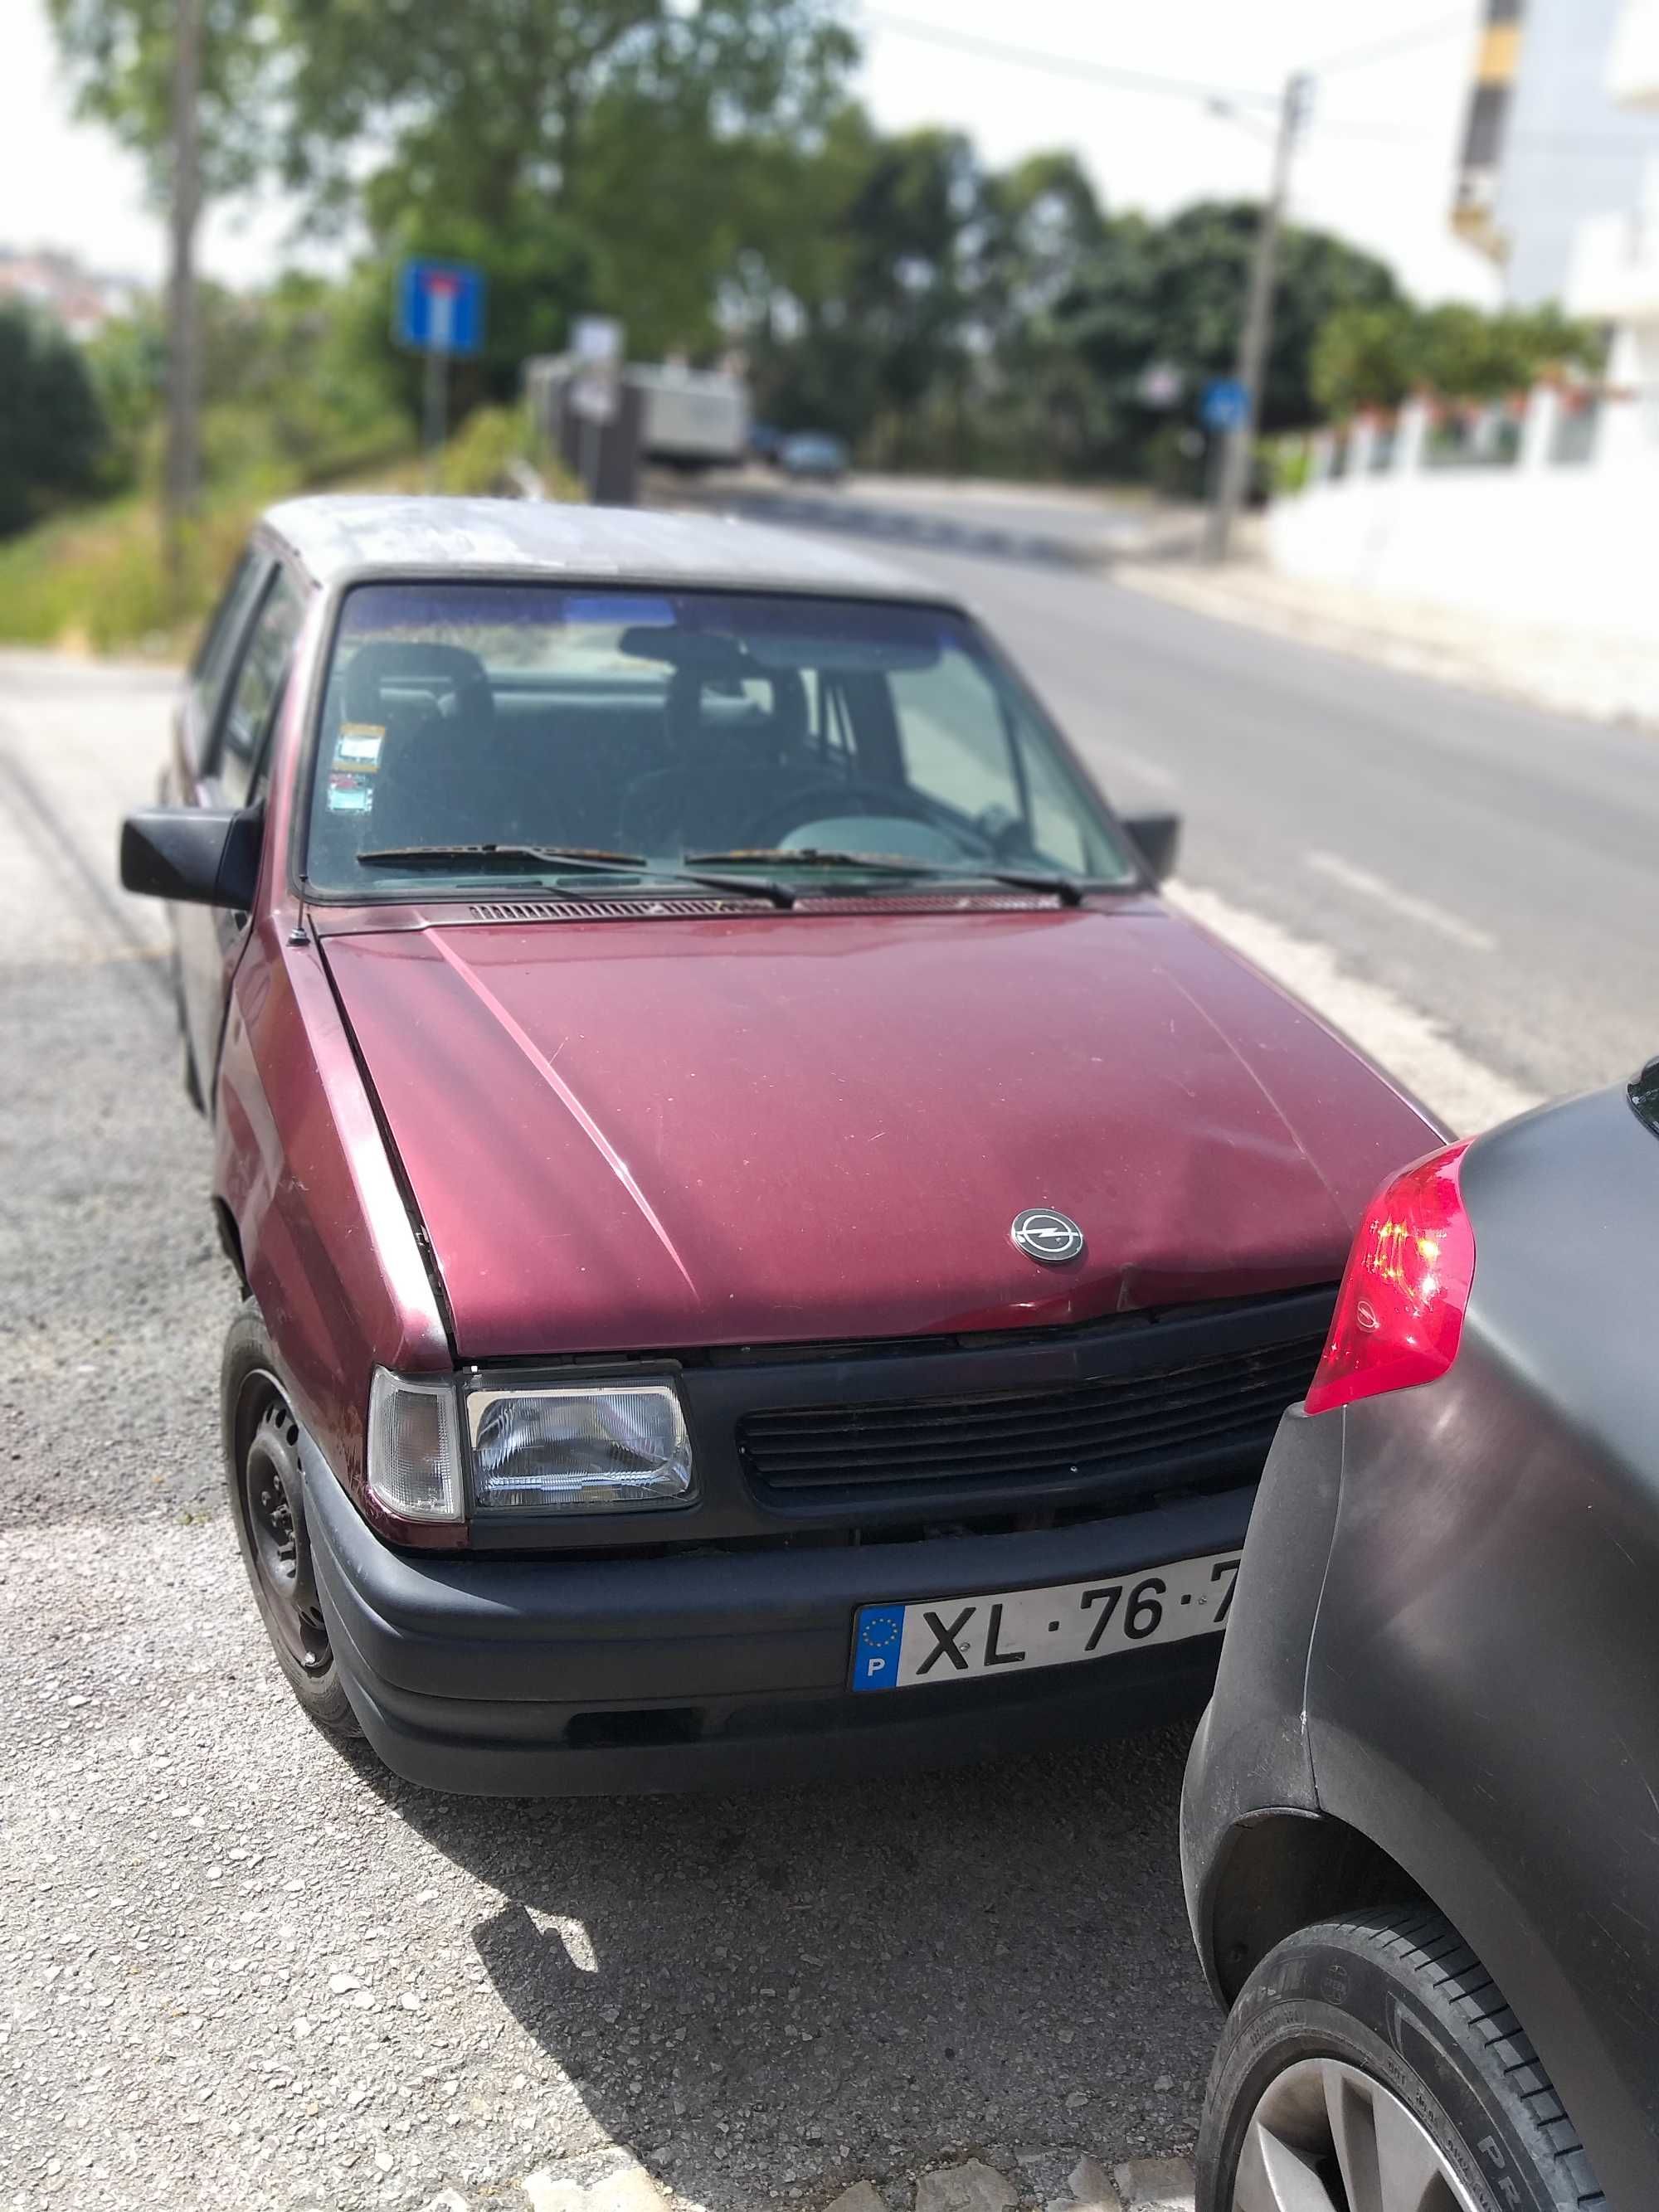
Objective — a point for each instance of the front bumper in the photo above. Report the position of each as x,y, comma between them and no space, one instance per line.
508,1677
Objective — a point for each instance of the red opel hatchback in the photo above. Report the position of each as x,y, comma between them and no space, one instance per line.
766,1246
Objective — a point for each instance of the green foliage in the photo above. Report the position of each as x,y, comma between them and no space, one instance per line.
53,434
485,456
97,580
119,58
1175,292
1375,358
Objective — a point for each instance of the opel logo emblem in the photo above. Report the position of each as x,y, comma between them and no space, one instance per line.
1044,1235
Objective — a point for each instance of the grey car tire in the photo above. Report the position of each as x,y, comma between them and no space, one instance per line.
1380,2012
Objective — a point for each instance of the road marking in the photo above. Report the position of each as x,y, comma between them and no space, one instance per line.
1411,1045
1338,871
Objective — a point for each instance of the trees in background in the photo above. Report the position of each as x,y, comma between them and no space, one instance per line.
699,169
1375,356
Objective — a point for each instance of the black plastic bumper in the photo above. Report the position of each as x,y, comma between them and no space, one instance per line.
510,1677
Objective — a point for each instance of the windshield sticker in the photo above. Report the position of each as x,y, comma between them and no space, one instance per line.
360,743
349,793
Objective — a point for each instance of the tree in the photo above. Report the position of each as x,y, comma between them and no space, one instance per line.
185,84
590,154
1175,292
1374,357
52,432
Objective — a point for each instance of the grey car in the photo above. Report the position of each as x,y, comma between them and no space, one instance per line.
1420,1827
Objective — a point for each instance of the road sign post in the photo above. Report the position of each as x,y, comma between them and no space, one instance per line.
440,313
597,343
1240,434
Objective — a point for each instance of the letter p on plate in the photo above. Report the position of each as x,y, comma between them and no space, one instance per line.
878,1632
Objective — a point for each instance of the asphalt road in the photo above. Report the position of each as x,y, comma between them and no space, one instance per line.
239,1971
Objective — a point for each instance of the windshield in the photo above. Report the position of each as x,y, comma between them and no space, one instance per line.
636,732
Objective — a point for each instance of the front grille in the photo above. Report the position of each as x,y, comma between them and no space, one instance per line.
1032,1438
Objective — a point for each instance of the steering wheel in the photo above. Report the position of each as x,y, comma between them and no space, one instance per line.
774,823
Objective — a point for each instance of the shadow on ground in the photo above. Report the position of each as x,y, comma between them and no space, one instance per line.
801,1988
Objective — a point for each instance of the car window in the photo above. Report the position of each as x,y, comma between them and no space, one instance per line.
258,684
224,629
954,725
662,726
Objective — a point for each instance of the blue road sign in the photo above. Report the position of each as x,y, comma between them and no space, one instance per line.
440,306
1227,404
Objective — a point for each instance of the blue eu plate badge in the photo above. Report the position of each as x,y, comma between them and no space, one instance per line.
876,1647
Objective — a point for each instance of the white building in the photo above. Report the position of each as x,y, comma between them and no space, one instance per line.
1549,520
1551,142
1614,273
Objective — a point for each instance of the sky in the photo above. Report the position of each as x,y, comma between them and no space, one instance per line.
1376,164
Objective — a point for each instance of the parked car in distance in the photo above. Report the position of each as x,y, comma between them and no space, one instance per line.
813,455
768,1247
1420,1828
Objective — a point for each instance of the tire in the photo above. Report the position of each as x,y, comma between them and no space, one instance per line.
261,1437
1357,2018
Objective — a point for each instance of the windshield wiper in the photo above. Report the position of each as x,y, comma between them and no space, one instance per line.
1070,890
444,856
589,859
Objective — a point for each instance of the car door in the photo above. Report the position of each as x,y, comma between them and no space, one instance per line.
210,939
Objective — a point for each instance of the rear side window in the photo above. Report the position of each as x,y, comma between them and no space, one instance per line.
259,682
219,641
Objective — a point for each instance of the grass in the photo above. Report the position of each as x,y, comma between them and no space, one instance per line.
94,581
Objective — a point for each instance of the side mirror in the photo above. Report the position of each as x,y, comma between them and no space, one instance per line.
1157,839
204,855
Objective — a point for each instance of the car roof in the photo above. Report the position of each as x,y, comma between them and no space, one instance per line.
336,536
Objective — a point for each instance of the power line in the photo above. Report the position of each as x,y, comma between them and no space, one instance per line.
1404,42
1068,66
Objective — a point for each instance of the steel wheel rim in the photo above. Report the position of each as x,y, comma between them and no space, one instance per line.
1326,2137
273,1513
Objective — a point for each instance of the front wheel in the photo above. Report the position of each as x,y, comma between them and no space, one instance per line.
267,1503
1371,2065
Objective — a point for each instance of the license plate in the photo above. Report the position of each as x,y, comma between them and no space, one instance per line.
896,1647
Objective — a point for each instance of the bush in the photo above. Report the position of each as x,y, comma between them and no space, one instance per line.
52,431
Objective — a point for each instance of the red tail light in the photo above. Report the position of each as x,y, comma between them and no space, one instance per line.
1400,1311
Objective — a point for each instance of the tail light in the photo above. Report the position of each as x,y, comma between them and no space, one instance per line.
1400,1311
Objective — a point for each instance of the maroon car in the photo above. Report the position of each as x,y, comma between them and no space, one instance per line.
765,1245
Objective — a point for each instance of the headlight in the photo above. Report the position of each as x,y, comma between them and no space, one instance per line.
415,1449
578,1450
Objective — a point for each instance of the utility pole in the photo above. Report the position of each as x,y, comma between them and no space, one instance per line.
1233,484
181,472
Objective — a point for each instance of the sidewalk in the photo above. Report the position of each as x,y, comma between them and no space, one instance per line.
1607,679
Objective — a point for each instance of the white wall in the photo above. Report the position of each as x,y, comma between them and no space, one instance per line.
1574,547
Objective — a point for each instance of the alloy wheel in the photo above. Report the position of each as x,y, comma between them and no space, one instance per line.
1327,2138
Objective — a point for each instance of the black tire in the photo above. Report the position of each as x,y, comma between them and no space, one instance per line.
1399,1997
189,1072
260,1439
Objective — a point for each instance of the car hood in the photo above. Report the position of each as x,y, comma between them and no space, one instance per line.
655,1134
